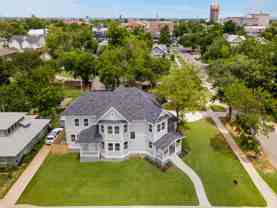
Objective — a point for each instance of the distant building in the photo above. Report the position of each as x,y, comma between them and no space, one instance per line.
253,24
214,11
133,24
100,32
234,40
160,50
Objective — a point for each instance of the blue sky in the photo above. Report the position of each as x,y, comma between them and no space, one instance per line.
132,8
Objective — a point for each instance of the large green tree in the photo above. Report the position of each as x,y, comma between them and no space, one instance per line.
182,88
81,64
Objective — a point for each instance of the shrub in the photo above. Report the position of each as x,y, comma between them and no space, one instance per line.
249,143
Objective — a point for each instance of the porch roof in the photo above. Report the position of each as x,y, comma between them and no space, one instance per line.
90,135
167,139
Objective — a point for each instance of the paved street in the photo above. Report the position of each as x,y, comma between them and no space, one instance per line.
269,144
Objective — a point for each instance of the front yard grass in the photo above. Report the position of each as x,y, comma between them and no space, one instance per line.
225,180
63,180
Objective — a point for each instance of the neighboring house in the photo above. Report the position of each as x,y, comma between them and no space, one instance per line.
18,134
160,50
254,31
100,33
112,125
234,40
22,42
7,52
38,32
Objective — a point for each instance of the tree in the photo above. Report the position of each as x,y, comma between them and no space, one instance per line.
117,34
165,37
231,28
80,64
218,49
183,89
5,71
26,62
250,107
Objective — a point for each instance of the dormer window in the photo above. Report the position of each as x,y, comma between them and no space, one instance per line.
85,122
76,121
116,130
110,130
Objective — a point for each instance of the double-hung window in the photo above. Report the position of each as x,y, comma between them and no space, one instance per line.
150,128
110,130
76,121
132,135
116,130
85,122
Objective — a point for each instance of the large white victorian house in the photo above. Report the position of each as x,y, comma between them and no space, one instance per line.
111,125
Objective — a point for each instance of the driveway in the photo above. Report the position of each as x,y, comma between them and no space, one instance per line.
269,145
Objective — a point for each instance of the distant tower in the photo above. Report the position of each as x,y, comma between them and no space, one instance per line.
214,11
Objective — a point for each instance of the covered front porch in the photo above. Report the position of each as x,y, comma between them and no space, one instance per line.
168,145
91,144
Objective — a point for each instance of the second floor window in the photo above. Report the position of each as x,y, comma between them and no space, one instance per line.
150,128
125,128
116,130
150,144
85,122
102,129
159,128
163,125
76,121
110,130
132,135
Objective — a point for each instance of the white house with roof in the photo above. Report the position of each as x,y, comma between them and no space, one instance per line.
112,125
18,134
23,42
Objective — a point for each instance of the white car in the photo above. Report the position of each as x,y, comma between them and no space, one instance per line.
52,135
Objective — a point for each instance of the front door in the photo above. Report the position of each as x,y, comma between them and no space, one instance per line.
172,149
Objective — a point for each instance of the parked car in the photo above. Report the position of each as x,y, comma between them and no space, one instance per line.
53,135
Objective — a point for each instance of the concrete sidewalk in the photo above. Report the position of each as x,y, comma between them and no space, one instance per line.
17,189
198,185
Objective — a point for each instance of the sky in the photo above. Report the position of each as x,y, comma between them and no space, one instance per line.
132,8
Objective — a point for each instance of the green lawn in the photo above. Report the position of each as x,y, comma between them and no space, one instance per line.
270,178
63,180
218,168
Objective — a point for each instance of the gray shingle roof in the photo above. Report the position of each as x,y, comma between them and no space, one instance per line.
167,139
90,135
132,103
